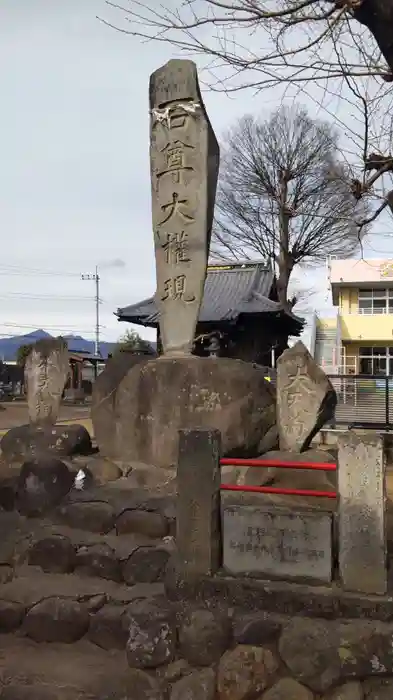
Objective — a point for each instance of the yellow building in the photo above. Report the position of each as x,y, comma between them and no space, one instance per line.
359,339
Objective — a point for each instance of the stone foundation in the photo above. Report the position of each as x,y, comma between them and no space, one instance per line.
103,574
100,577
210,651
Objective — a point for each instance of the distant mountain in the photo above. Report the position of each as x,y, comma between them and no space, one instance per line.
9,346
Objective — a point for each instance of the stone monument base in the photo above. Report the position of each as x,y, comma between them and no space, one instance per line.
157,398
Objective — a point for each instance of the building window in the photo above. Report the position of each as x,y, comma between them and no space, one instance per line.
375,301
376,360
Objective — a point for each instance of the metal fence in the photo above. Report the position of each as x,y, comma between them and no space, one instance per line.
364,401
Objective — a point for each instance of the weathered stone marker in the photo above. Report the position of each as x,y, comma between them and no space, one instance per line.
362,532
275,542
184,159
46,371
306,399
198,536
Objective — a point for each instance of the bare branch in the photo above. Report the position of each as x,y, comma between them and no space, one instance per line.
212,28
339,47
284,195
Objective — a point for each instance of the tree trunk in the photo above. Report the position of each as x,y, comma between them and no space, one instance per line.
285,268
377,16
284,259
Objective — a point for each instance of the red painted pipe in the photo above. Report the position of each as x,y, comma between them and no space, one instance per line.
284,492
323,466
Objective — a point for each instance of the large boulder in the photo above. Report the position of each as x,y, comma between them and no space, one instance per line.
30,441
157,398
42,485
204,635
103,409
291,477
152,634
306,399
55,554
56,620
198,685
46,371
245,672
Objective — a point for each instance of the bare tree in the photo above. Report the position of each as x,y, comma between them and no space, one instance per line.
336,46
331,30
283,194
302,297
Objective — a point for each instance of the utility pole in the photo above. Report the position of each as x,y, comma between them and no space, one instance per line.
96,279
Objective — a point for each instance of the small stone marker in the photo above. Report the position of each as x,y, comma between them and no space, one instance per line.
46,372
362,512
184,159
306,399
263,540
198,536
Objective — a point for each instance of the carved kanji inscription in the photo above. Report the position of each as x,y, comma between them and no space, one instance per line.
184,160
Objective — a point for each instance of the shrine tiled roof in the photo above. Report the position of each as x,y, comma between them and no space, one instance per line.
230,290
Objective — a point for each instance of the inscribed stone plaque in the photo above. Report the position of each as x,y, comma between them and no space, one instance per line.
184,161
276,542
362,513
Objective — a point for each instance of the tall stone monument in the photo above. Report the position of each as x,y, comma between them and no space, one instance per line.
184,159
46,372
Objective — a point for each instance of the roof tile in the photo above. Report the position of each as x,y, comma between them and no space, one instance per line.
230,290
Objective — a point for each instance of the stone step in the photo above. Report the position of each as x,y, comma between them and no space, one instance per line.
117,507
122,493
31,586
109,509
131,561
60,549
66,607
122,545
105,511
33,671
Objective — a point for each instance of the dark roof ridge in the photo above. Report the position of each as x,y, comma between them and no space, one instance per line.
265,264
232,292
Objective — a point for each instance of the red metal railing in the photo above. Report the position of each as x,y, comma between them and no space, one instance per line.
323,466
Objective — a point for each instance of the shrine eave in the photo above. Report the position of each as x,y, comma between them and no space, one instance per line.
230,291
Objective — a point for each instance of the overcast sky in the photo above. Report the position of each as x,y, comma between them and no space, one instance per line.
74,168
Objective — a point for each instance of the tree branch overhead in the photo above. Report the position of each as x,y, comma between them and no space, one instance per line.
284,195
260,44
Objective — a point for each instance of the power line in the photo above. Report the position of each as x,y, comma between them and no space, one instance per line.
43,297
17,270
6,269
63,328
14,270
